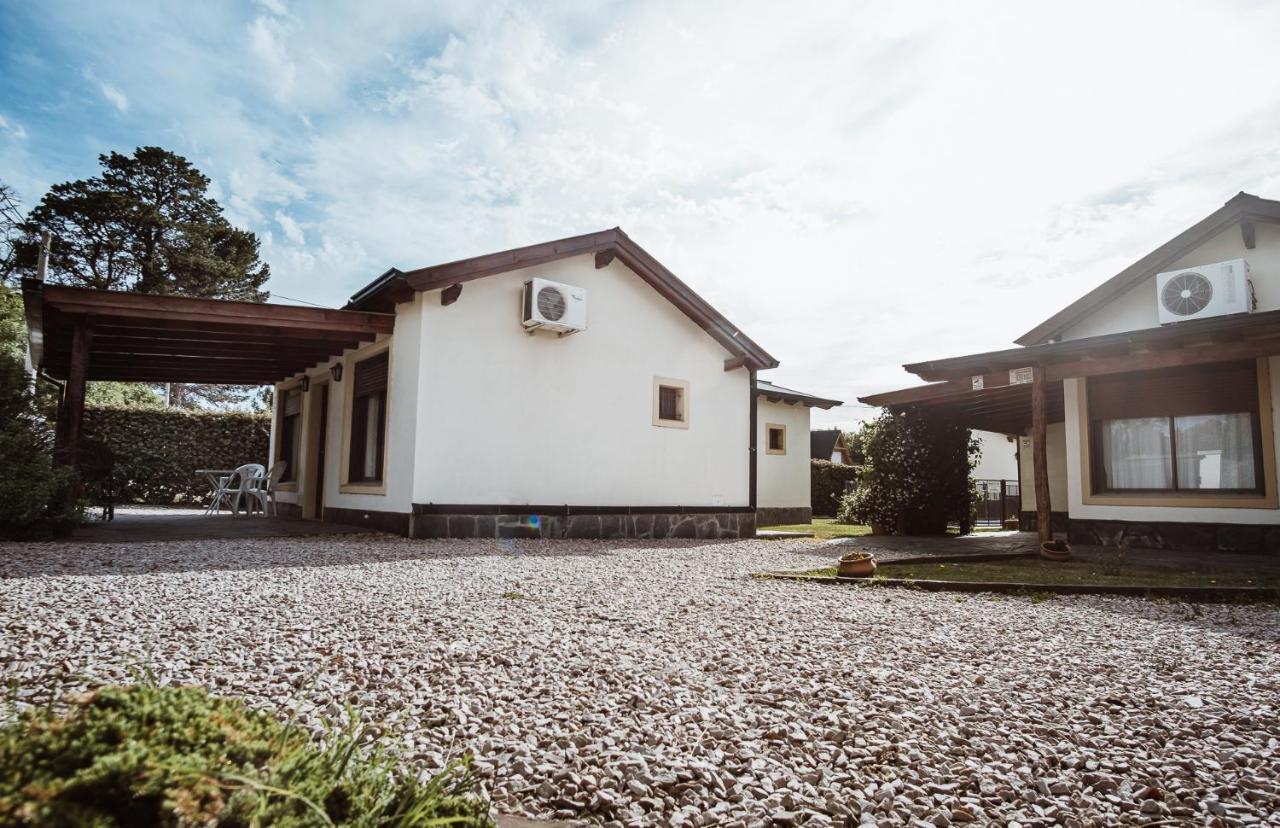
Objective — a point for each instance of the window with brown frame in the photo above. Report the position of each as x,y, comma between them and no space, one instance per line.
670,403
289,436
368,420
775,439
1189,429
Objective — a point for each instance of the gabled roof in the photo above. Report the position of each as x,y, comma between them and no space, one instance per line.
1243,210
397,286
776,393
823,443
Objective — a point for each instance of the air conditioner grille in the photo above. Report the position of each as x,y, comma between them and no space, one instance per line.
1187,294
551,304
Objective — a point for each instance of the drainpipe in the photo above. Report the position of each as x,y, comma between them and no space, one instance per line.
751,452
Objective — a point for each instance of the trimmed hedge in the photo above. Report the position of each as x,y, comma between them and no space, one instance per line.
157,452
827,482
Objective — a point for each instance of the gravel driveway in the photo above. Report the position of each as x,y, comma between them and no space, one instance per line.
656,683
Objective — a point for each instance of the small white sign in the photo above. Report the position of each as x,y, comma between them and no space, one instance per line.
1019,376
977,383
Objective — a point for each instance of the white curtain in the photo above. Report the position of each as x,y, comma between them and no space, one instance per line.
373,422
1137,454
1215,451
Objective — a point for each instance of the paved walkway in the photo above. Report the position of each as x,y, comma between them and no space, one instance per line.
149,524
890,548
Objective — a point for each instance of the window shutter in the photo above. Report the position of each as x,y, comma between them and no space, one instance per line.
1219,388
371,375
292,403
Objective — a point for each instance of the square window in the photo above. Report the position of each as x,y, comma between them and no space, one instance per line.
670,403
775,438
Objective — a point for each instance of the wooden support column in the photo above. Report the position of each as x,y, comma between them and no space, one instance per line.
1040,454
72,409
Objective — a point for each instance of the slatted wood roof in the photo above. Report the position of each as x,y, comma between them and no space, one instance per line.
145,338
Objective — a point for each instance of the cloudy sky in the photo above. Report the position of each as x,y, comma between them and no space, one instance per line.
855,185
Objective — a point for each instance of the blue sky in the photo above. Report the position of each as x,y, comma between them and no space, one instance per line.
856,185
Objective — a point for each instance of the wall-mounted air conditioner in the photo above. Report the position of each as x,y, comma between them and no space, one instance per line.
1218,289
551,306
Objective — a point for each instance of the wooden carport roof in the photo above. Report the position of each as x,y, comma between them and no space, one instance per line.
144,338
980,391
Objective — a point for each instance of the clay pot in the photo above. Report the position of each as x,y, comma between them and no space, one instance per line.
1055,551
856,565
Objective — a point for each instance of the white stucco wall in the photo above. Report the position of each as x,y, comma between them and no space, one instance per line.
999,460
504,417
782,480
1137,309
1058,469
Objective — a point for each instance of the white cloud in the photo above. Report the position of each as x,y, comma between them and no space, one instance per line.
111,93
857,186
17,130
292,230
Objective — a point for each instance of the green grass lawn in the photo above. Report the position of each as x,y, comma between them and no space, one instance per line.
825,528
1036,571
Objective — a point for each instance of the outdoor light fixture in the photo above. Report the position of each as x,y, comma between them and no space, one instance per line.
336,372
305,385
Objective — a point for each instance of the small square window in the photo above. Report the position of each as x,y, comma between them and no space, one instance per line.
670,403
775,438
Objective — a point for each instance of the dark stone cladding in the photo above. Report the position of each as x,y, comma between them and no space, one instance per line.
1182,537
593,523
1030,522
291,510
396,523
783,515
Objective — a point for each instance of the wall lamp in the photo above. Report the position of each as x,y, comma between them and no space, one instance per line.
336,372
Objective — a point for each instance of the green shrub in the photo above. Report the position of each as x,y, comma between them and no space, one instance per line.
152,756
916,477
157,452
827,484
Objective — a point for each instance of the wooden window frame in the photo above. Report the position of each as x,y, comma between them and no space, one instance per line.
682,386
289,482
1265,497
768,444
347,484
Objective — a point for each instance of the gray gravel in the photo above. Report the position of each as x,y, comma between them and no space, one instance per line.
656,683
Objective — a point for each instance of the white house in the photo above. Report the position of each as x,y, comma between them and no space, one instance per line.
573,388
1147,408
782,458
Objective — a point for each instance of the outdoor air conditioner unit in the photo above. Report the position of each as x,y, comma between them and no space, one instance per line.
551,306
1218,289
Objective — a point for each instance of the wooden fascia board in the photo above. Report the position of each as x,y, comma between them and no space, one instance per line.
107,304
1172,358
466,270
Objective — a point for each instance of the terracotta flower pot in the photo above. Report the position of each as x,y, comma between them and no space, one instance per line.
1055,551
856,565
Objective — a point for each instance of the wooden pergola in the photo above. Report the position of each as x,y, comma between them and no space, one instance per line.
80,334
1020,389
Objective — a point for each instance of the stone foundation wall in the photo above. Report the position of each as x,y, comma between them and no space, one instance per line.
1188,537
783,515
588,526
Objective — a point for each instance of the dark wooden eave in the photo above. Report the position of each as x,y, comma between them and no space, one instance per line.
607,245
776,393
1244,210
147,338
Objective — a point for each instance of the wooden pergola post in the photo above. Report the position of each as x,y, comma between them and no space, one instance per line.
1040,454
71,411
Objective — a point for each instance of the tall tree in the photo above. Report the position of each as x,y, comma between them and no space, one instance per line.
10,229
146,224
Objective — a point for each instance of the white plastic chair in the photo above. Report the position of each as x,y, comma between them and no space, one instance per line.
263,489
243,483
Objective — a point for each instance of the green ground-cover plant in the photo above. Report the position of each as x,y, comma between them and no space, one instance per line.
170,756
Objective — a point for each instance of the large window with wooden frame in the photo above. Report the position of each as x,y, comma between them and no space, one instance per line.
368,420
1190,429
289,434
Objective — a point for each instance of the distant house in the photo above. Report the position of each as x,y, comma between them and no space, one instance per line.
829,444
1146,410
782,459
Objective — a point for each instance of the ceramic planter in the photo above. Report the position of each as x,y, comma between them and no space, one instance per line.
856,565
1055,551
